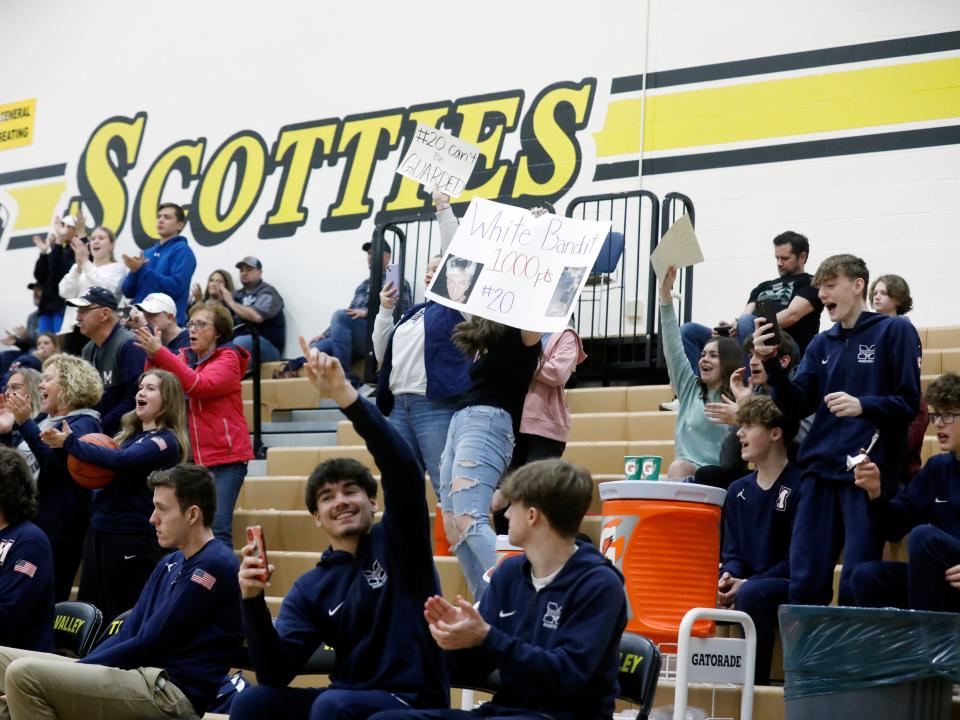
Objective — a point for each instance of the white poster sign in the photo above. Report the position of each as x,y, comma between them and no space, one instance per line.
506,265
438,158
717,660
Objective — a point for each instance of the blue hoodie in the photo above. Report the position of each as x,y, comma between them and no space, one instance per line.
169,269
368,606
876,361
557,650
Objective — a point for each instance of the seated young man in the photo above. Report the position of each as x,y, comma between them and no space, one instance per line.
552,619
366,595
929,509
758,520
170,656
26,561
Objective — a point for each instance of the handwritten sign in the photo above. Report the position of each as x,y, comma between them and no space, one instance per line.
506,265
678,247
438,158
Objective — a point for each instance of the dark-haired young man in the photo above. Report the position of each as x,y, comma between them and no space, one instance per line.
170,656
929,509
861,379
552,619
26,561
166,267
366,595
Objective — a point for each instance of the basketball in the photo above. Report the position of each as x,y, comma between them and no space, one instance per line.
86,473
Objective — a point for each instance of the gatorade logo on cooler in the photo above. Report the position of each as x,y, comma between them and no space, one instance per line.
611,547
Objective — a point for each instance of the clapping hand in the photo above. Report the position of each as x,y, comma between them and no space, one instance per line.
81,251
722,413
20,407
455,627
148,339
740,390
134,263
54,438
7,421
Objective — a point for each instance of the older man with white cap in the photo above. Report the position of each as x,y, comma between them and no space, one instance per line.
257,303
160,312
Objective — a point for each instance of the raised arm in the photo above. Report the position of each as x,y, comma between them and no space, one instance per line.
220,375
682,379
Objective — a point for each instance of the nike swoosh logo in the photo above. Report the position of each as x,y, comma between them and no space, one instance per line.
825,360
333,612
938,500
503,614
129,557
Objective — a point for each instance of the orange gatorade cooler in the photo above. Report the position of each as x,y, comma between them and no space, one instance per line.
441,548
665,539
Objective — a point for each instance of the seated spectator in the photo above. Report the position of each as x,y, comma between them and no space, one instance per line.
890,296
210,371
346,338
697,440
24,382
166,267
259,304
26,561
47,345
365,596
169,657
120,550
552,619
218,279
56,257
160,312
928,509
22,338
800,307
758,520
94,266
69,391
113,351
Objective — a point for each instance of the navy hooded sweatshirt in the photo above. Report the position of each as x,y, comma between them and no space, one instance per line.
876,361
368,606
932,497
26,588
557,650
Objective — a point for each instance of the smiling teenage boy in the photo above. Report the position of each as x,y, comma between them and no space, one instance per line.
366,595
861,378
929,509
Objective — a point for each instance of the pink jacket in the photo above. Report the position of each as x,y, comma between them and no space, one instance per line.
545,411
218,429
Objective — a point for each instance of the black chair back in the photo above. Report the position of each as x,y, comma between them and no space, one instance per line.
75,627
639,670
112,627
321,662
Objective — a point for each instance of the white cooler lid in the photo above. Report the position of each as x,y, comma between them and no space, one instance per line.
661,490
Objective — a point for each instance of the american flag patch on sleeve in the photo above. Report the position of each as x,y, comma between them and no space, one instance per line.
26,567
161,443
203,578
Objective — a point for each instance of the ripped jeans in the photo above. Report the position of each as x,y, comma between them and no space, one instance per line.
478,450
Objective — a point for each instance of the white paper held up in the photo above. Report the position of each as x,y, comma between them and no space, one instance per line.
678,247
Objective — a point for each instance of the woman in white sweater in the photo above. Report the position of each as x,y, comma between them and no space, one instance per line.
94,266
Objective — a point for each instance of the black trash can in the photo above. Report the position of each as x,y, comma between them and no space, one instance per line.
875,664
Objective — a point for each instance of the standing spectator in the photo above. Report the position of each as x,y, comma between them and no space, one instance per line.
69,390
160,312
862,379
697,439
166,267
257,303
94,266
890,295
56,257
24,382
47,345
121,548
211,371
217,280
26,561
113,351
22,338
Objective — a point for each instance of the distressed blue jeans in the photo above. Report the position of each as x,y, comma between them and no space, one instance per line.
478,451
346,340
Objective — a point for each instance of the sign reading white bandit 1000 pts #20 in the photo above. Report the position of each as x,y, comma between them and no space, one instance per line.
437,158
506,265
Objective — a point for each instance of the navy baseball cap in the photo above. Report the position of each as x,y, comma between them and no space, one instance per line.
101,297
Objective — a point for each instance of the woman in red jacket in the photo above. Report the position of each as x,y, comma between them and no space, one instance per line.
210,371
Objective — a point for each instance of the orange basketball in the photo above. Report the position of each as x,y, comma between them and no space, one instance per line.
86,473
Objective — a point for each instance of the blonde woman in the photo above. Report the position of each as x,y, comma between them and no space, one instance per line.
69,388
121,548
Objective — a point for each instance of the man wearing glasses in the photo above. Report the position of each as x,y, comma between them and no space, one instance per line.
929,509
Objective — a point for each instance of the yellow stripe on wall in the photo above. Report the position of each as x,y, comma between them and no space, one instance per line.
36,204
833,101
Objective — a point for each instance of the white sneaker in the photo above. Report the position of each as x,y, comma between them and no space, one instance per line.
672,406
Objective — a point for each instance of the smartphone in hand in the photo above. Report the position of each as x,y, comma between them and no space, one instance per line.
768,310
255,537
393,275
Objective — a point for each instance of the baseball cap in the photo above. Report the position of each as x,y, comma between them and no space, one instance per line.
250,261
95,296
33,286
157,303
367,245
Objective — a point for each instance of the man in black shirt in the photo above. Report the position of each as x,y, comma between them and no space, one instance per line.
798,306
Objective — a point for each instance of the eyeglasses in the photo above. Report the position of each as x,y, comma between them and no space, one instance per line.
946,418
198,325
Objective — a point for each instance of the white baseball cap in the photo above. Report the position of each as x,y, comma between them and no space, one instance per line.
157,303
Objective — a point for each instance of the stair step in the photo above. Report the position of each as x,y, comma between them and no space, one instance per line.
301,426
305,439
327,411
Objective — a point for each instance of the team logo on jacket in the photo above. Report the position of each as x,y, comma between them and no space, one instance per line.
376,576
107,377
5,546
867,354
782,498
551,618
